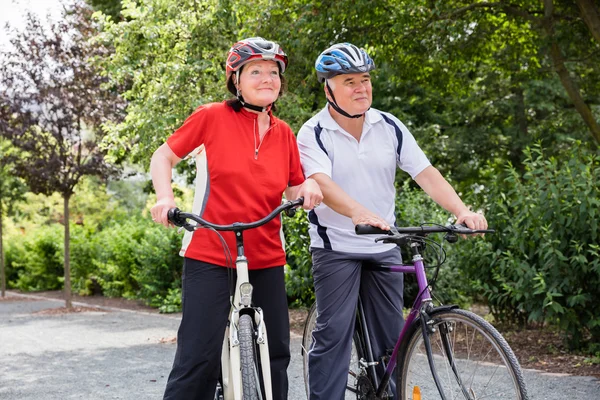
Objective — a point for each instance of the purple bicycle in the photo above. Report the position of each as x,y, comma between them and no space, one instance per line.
442,352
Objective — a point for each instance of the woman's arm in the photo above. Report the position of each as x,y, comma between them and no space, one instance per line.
161,165
310,190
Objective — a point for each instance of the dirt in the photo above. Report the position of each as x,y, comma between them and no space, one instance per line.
540,349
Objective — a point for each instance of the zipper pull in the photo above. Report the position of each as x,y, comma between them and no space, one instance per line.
256,154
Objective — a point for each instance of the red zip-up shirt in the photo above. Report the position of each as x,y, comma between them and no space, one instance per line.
244,179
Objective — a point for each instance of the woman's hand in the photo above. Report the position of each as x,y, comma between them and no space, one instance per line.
160,209
311,192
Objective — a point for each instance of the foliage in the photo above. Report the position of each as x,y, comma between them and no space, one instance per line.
413,208
172,60
111,8
116,249
544,264
11,191
298,271
53,103
38,261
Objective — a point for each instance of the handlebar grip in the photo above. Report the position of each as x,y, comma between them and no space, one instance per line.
290,212
362,229
463,228
173,216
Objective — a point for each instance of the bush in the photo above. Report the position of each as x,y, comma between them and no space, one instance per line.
413,208
138,259
38,261
544,264
298,271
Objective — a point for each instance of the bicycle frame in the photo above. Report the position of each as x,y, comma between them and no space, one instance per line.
240,304
421,303
230,356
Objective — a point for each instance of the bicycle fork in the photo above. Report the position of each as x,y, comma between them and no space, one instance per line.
427,328
230,356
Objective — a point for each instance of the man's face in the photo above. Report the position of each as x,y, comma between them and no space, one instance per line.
353,92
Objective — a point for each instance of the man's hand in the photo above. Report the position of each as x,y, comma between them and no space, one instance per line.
472,220
364,216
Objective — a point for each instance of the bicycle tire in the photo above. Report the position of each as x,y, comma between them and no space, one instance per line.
248,361
477,348
353,368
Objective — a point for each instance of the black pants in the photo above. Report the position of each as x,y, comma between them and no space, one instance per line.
206,307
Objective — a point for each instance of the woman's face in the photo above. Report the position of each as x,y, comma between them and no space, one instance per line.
260,83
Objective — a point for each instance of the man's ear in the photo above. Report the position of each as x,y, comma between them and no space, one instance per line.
326,90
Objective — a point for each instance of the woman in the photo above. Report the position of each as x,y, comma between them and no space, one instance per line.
249,159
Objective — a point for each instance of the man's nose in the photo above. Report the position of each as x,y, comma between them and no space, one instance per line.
361,87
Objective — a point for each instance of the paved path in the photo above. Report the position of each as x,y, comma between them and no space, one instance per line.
118,354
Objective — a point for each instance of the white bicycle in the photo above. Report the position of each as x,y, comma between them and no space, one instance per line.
245,372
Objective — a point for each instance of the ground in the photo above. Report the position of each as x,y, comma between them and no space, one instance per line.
540,349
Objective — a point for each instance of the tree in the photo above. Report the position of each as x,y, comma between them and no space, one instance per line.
53,105
11,191
108,7
171,59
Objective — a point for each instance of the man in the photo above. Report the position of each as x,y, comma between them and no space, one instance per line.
352,151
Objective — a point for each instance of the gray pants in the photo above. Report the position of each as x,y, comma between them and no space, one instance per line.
339,279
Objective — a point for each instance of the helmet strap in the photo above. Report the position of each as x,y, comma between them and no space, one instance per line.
337,108
241,99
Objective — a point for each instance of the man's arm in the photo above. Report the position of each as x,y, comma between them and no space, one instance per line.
434,184
340,202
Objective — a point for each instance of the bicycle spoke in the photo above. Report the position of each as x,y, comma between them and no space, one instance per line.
478,363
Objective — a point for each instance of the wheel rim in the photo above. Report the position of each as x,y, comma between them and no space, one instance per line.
482,365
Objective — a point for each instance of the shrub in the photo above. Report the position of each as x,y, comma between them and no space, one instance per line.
138,259
39,260
544,264
298,271
413,208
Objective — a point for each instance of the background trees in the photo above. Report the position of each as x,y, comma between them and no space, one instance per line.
52,106
503,97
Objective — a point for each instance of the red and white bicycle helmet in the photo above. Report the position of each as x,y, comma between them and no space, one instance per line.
251,49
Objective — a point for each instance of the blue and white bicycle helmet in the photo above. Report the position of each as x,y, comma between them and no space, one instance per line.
342,58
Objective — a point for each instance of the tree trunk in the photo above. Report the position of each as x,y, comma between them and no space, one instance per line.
591,16
67,262
565,78
2,267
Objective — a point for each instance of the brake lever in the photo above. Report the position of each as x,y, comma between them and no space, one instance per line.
383,239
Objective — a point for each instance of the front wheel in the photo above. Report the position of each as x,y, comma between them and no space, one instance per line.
248,359
354,370
471,358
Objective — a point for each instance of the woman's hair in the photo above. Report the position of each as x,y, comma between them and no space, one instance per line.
237,105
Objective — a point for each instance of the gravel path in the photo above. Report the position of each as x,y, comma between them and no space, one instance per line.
120,354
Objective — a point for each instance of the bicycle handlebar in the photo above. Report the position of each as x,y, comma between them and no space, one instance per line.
460,229
179,218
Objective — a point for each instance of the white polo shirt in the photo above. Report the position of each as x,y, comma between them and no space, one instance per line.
365,170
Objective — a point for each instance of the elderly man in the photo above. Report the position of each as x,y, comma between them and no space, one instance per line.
352,151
